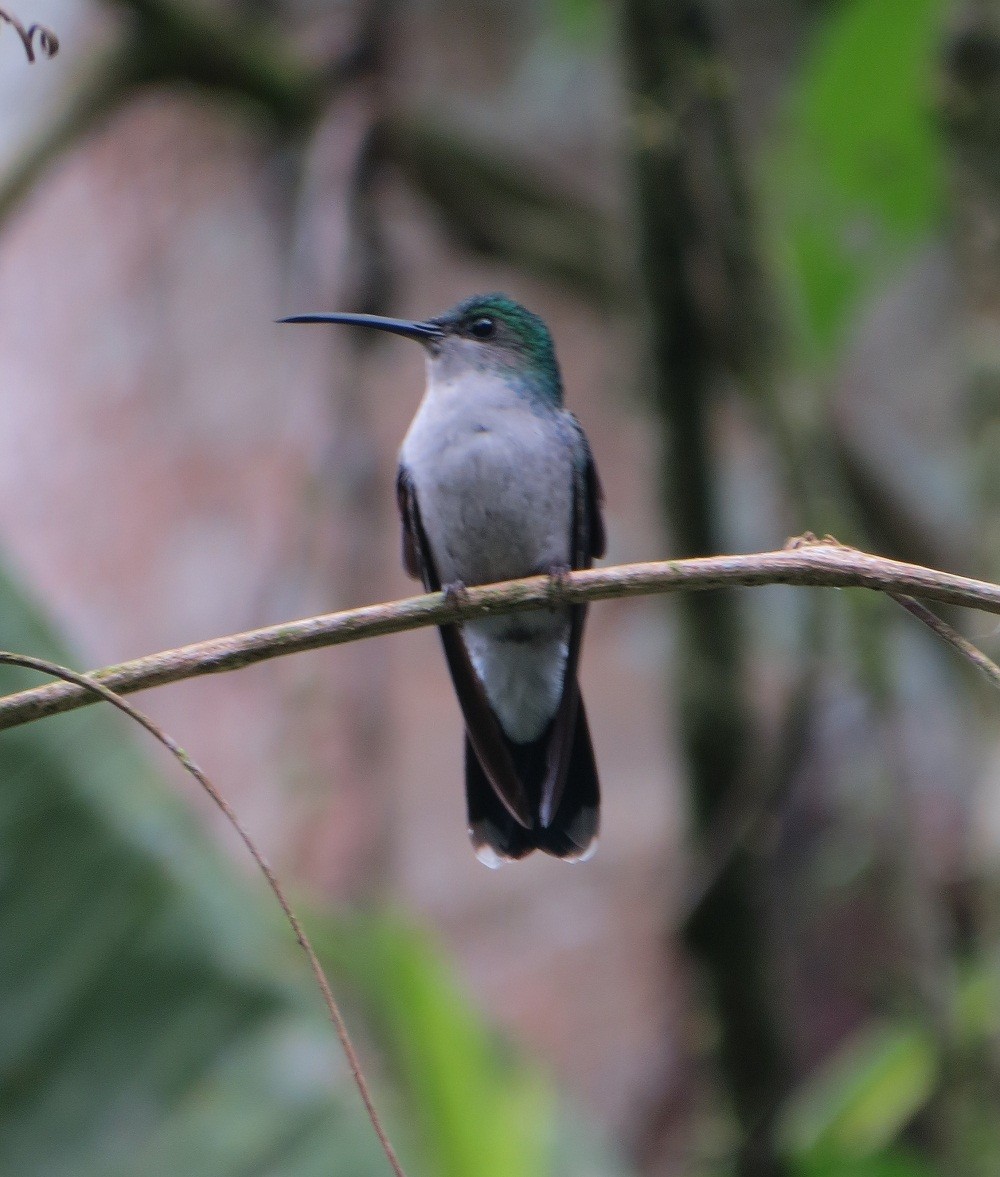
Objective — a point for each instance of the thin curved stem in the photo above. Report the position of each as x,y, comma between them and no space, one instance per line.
102,691
48,42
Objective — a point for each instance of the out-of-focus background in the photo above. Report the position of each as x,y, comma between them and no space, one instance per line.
765,234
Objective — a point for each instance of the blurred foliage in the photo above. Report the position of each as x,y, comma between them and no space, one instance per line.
466,1098
861,1099
857,1108
895,1091
858,175
158,1016
581,20
854,183
465,1086
897,1164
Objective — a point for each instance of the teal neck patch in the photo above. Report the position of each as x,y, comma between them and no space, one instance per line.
521,345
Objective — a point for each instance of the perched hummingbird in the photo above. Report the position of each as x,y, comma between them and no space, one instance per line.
496,481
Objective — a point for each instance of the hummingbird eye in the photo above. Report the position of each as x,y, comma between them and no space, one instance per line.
482,328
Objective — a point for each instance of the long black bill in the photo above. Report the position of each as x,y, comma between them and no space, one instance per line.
408,327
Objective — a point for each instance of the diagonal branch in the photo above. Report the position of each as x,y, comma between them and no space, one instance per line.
949,634
815,564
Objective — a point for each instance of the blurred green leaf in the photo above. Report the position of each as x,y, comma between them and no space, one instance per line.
157,1017
582,20
892,1164
862,1098
847,1119
857,177
466,1092
978,1005
475,1106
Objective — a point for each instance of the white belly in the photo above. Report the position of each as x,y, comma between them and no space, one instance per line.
494,486
523,680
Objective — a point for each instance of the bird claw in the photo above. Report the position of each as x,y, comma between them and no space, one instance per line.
558,575
456,593
810,540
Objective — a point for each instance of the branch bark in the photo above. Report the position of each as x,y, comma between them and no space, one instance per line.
815,564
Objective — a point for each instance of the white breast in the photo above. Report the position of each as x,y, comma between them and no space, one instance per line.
494,486
494,482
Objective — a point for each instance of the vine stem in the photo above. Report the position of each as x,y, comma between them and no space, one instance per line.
806,562
48,42
99,691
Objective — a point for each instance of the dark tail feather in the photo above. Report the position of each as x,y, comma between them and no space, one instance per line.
572,834
496,835
574,829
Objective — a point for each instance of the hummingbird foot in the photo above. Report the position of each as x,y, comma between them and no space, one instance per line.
456,593
809,539
558,575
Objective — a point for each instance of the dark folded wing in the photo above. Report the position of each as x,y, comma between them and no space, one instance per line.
482,726
587,541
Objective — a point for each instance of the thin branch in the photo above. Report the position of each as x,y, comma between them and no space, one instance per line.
949,634
48,42
737,826
815,564
171,43
101,691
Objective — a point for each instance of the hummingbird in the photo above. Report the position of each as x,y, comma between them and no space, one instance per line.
496,481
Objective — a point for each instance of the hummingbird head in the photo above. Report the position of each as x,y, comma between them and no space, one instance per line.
493,333
484,333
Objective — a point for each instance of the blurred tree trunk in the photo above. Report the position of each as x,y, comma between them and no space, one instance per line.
971,108
702,290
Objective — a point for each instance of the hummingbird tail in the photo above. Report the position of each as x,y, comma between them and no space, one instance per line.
571,835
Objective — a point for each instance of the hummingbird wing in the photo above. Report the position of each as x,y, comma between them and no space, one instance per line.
558,768
587,542
482,727
589,536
